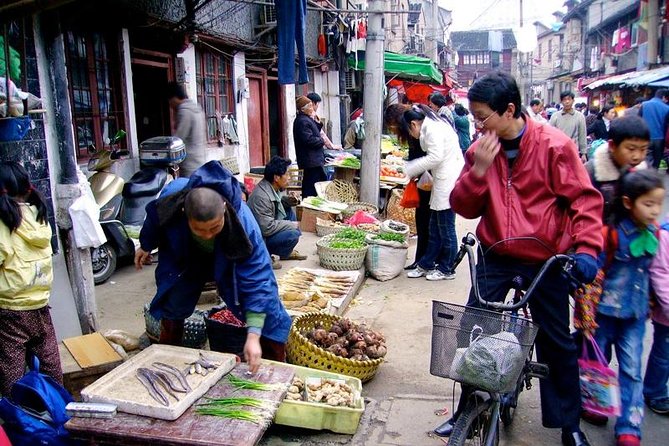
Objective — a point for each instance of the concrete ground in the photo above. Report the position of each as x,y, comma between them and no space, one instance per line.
403,396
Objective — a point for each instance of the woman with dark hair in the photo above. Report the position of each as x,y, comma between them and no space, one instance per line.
462,127
26,274
443,158
393,120
600,128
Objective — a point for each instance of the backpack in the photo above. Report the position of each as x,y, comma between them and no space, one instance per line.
35,413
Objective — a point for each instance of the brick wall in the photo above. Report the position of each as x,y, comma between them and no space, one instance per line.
31,151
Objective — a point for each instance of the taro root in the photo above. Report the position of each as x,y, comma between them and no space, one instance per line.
333,337
337,329
320,334
342,341
372,352
360,345
356,352
381,350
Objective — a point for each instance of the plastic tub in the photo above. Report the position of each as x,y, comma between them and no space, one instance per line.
319,416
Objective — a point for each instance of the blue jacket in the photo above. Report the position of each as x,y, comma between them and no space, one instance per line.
625,292
654,112
242,265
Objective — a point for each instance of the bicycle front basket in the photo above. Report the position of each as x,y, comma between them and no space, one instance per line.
482,348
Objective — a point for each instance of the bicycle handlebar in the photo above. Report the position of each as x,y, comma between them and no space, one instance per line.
467,247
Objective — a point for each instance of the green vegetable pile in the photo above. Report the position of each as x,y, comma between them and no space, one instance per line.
390,237
353,163
351,234
346,244
232,408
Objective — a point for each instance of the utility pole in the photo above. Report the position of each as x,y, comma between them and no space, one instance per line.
435,34
373,104
653,22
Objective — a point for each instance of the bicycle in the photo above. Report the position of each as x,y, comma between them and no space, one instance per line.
509,338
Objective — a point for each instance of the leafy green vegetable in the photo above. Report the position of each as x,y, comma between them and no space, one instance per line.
350,233
390,237
346,244
351,162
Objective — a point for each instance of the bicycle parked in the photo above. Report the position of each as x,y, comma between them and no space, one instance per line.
489,351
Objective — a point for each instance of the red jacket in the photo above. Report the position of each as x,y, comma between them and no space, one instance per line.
549,196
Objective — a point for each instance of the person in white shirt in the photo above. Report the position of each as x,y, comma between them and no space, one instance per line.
535,109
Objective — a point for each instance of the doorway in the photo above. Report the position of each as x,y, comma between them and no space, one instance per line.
258,118
151,72
277,129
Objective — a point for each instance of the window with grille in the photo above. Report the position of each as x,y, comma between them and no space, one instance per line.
213,73
94,84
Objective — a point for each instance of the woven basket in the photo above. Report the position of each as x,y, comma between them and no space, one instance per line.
341,192
322,230
300,351
357,206
396,212
339,259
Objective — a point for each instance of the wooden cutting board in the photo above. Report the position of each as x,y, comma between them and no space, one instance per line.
91,350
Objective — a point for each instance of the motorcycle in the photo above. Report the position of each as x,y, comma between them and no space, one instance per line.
122,204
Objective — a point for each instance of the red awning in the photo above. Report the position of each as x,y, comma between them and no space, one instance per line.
417,92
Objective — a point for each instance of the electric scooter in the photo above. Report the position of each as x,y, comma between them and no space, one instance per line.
122,204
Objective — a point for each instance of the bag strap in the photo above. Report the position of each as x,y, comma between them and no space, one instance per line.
599,355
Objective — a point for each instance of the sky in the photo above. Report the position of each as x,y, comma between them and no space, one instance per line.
490,14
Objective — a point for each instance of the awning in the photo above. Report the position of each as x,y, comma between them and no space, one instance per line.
662,84
416,91
405,67
632,79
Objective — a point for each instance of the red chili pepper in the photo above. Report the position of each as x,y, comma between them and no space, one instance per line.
227,317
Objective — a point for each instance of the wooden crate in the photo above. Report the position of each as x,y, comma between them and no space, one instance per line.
309,216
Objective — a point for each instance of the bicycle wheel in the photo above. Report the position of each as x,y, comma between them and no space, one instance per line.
473,426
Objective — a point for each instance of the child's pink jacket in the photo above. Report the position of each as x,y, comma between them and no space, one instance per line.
659,279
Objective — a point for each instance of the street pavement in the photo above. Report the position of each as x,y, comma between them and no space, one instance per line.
403,397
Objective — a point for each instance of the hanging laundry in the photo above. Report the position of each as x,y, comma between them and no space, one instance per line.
290,19
228,126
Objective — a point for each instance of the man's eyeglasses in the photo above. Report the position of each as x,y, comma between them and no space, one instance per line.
481,123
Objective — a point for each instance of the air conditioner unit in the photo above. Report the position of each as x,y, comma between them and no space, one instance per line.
557,63
350,80
416,44
268,15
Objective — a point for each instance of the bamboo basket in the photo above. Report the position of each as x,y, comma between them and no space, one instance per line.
339,259
357,206
300,351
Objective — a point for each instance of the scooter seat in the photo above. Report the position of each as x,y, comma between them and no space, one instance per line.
147,182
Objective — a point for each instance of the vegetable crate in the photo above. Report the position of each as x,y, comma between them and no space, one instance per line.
300,351
342,420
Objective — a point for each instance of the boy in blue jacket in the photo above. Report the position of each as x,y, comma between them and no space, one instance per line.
206,232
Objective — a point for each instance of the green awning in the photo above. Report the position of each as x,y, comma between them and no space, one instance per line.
404,66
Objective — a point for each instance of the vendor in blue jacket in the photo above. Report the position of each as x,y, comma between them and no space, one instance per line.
205,232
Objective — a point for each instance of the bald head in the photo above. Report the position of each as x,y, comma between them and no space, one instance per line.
204,204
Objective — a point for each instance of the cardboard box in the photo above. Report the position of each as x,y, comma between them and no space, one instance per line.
308,219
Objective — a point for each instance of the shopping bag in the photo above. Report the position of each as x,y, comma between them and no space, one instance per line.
587,299
425,182
600,391
410,197
85,215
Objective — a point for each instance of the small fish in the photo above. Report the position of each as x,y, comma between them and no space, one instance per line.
174,371
170,381
198,368
152,387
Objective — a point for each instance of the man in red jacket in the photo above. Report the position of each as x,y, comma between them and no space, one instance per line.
528,186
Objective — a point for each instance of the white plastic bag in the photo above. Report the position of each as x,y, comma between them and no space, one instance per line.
85,215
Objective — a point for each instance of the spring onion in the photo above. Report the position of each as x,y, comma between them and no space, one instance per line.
235,414
241,383
237,402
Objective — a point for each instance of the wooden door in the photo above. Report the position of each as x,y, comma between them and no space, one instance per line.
258,121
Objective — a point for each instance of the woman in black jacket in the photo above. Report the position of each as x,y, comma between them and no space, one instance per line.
308,147
600,128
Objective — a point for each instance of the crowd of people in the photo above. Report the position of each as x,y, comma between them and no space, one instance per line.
530,179
540,187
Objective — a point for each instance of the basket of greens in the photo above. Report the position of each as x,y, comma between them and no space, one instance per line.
343,251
